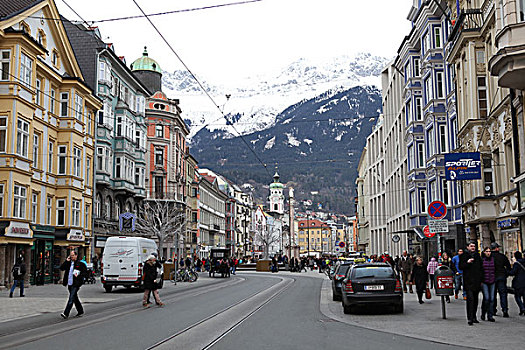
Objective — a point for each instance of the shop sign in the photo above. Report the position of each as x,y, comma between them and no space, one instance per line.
76,235
127,222
19,230
463,166
508,223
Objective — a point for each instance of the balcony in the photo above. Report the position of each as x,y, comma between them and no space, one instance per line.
508,64
467,24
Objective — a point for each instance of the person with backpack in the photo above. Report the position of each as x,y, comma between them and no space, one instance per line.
75,272
19,272
518,282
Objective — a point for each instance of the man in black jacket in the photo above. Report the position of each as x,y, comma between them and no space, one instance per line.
471,264
503,267
19,272
75,271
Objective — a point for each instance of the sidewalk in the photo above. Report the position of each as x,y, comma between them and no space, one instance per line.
425,322
52,298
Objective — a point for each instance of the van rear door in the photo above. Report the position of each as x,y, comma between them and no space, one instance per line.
121,262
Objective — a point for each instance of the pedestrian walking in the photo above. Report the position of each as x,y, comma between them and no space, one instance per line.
405,267
502,271
74,273
420,278
518,282
458,275
471,264
150,282
488,285
431,269
19,272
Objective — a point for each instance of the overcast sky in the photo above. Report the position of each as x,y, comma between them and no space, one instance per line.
241,40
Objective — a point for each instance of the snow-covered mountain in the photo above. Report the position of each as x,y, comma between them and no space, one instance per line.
256,101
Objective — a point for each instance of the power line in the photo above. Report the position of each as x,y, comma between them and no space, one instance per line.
201,86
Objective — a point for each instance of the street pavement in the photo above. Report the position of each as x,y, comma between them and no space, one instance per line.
252,310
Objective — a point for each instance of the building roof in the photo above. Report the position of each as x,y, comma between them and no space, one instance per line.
146,63
312,223
10,8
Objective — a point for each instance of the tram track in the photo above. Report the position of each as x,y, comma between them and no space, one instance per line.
30,334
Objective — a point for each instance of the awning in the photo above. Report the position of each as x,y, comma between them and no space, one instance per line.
16,240
419,233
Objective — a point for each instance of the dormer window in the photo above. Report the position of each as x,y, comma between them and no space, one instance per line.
55,59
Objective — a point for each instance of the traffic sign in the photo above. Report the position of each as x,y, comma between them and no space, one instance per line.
437,210
438,226
342,244
427,233
396,238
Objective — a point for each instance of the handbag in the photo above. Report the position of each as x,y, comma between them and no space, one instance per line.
428,295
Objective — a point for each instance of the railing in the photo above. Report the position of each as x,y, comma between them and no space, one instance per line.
486,8
468,20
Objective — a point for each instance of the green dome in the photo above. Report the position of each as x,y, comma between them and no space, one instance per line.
145,63
276,185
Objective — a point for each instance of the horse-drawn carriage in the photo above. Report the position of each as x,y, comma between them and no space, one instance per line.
220,262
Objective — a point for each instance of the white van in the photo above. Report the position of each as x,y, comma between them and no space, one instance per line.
123,259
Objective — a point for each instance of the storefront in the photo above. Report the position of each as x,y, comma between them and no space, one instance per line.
16,239
509,230
43,269
68,239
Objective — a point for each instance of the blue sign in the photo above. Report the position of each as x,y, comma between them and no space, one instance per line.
127,222
463,166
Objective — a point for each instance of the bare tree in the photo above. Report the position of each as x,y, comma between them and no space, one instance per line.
162,220
266,236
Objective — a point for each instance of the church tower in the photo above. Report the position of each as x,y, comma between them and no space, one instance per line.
276,196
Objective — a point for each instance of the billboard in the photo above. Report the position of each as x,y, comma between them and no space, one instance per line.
463,166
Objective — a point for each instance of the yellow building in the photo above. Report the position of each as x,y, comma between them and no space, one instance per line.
314,237
46,142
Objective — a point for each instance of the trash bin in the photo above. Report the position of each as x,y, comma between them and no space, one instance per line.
444,281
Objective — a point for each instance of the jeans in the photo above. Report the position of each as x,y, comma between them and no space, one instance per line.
233,270
472,304
73,299
501,289
519,296
458,283
489,294
431,277
18,282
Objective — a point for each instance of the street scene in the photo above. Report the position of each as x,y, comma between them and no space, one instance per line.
260,174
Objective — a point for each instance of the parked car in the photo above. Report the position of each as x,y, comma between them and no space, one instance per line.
339,274
371,283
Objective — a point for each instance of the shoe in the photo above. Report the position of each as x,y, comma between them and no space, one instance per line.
22,296
455,296
421,302
64,316
491,319
464,298
483,317
470,323
160,304
448,301
411,292
80,314
495,313
475,321
506,314
11,295
147,305
522,313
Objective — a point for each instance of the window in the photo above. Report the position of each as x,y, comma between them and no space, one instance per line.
118,209
433,191
413,203
64,104
430,141
411,161
119,126
5,64
422,201
482,97
159,187
78,107
75,213
52,97
440,85
50,156
137,176
19,208
36,151
416,67
61,212
443,138
421,155
159,130
487,174
86,217
437,37
419,108
62,160
77,159
100,159
427,42
428,89
118,167
88,171
38,88
49,210
159,156
41,38
1,200
107,208
97,206
34,207
22,137
26,69
3,134
102,71
89,120
446,195
138,138
54,58
521,11
480,56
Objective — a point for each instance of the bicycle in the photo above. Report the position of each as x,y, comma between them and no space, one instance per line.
183,275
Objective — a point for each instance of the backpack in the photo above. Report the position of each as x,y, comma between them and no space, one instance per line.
16,271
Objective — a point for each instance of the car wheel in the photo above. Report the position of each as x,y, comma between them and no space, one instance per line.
347,309
336,297
398,308
108,289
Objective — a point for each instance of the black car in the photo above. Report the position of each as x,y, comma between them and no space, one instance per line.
371,283
337,278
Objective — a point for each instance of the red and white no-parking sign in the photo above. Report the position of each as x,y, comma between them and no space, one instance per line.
437,210
427,233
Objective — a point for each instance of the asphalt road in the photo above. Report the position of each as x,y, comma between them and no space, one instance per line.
248,311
